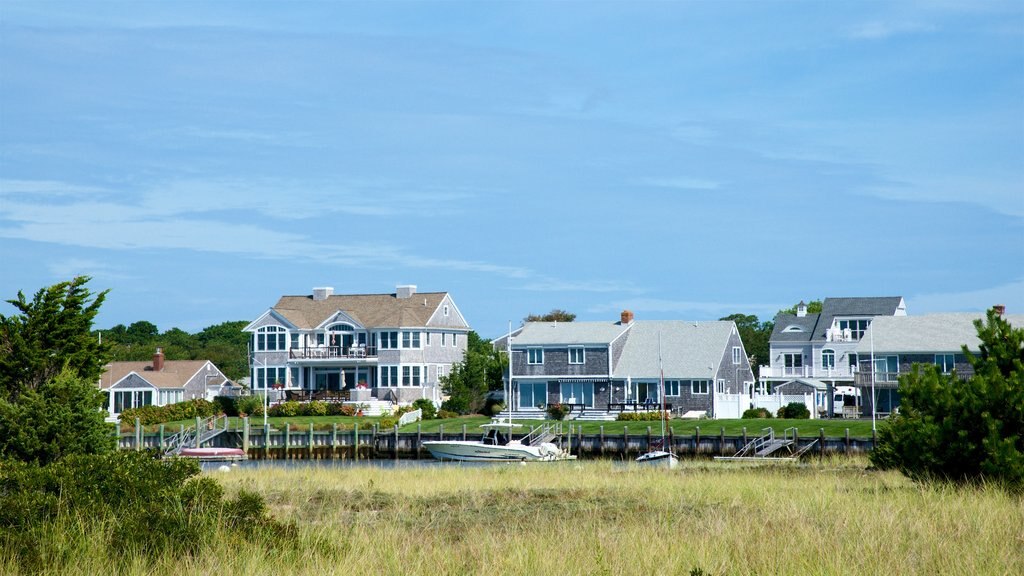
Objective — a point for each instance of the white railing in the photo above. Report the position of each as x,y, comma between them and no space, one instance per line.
806,372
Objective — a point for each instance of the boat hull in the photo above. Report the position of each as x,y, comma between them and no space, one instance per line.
658,458
468,451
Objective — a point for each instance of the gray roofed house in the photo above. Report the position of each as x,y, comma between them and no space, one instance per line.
614,366
358,347
893,345
159,382
824,346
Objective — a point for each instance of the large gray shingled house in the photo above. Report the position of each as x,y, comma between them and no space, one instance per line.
610,366
387,346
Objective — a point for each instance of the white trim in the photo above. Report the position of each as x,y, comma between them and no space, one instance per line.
583,358
251,327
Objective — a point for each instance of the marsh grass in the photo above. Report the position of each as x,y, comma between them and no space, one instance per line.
830,517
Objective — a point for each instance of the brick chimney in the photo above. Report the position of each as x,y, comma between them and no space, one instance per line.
158,360
626,317
1000,309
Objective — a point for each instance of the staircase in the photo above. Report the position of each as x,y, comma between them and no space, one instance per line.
763,447
209,428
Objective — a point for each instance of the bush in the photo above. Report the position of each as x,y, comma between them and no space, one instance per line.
427,407
251,405
225,405
387,423
757,413
143,507
963,431
187,410
315,408
638,416
446,414
287,409
794,410
557,411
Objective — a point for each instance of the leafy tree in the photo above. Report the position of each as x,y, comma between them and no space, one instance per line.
755,335
51,333
223,344
62,416
963,431
555,315
141,332
813,307
470,380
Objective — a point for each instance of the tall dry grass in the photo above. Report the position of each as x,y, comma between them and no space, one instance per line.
603,518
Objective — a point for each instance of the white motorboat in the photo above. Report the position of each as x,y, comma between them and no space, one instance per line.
496,446
659,458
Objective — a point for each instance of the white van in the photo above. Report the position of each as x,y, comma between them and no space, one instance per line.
846,402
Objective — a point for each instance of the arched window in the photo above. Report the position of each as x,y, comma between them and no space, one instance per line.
271,338
828,359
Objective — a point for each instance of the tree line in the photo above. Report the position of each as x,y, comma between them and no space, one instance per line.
223,344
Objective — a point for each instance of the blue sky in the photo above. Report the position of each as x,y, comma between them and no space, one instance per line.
679,159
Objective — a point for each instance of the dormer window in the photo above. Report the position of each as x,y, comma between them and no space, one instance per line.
793,329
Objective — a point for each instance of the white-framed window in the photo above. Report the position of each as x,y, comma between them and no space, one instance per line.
428,338
171,396
828,359
410,375
388,340
293,377
577,355
671,387
853,362
793,360
269,376
440,371
410,339
444,339
699,386
445,309
736,355
294,339
455,340
271,338
534,355
856,328
721,386
945,362
125,399
389,376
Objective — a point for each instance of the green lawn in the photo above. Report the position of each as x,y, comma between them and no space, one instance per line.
833,428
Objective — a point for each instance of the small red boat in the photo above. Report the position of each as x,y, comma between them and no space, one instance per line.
213,453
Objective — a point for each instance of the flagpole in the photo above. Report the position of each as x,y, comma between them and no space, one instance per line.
871,329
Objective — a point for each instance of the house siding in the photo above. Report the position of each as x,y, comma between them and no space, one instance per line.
556,363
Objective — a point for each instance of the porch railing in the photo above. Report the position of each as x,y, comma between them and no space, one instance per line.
332,352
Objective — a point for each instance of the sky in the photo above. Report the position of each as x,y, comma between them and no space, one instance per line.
683,160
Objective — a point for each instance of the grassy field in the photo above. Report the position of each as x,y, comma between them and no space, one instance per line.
831,517
833,428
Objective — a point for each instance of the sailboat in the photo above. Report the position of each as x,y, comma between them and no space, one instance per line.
660,457
497,444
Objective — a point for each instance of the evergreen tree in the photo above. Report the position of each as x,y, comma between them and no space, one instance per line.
963,431
470,380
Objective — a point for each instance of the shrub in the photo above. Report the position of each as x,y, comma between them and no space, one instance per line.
251,405
638,416
187,410
794,410
225,405
427,407
142,506
315,408
557,411
757,413
446,414
387,423
963,431
287,409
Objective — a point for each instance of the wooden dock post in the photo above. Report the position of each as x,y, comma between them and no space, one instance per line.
355,441
600,449
266,442
287,439
744,435
396,441
721,442
464,432
821,441
696,440
625,442
419,440
334,441
199,433
847,451
138,434
245,435
161,437
648,438
310,441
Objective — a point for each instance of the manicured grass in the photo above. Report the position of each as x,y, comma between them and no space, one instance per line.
598,517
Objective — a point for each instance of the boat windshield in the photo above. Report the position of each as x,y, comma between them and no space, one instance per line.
495,437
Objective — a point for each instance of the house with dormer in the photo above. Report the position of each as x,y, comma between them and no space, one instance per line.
821,352
612,366
392,347
160,382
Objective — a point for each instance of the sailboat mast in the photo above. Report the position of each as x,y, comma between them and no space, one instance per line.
508,394
661,390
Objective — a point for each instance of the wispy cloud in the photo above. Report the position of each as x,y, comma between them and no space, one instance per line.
690,308
596,286
71,267
1010,295
880,30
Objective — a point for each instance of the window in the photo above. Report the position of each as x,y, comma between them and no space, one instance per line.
267,377
945,362
793,360
455,339
171,397
125,399
852,361
428,338
389,376
578,393
294,376
410,375
721,386
671,387
271,338
828,359
410,339
576,356
295,340
388,340
319,338
440,371
887,368
699,386
534,355
856,328
445,309
736,355
444,339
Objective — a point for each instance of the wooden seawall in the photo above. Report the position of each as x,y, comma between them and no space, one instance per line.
286,443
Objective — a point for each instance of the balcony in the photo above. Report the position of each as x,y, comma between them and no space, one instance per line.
333,353
885,380
844,372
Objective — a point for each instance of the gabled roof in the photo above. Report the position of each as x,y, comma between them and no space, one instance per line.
568,333
688,349
176,373
926,334
815,325
369,310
